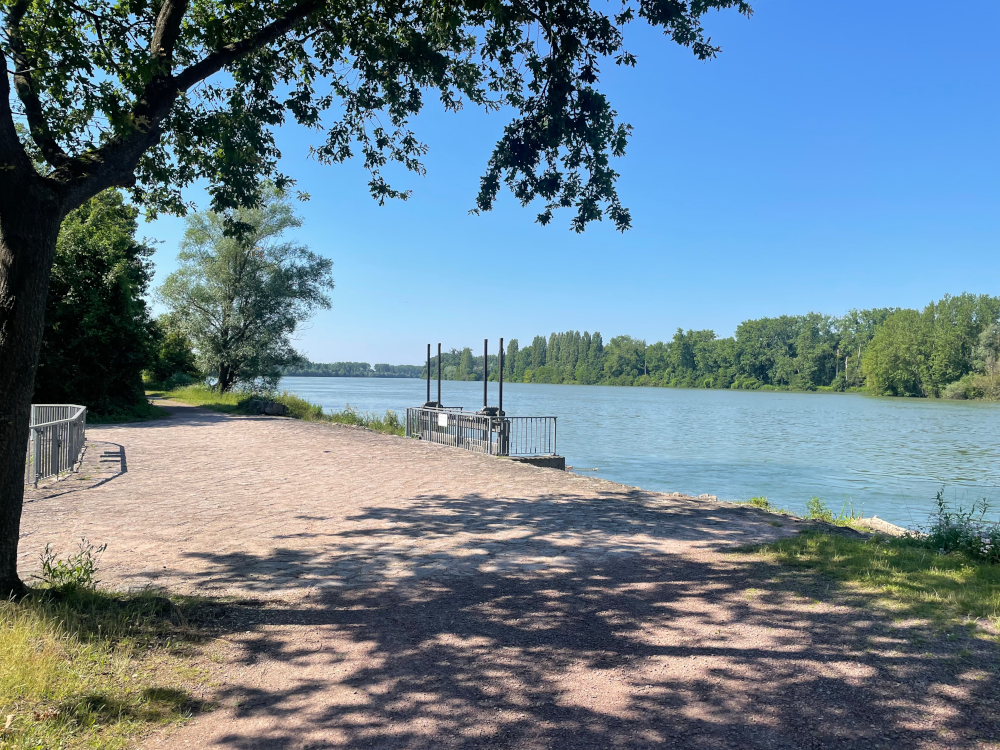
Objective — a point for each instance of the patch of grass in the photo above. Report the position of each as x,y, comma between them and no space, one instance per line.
139,413
236,402
200,395
904,575
81,668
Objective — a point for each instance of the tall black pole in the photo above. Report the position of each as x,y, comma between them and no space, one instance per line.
439,376
500,377
486,369
428,373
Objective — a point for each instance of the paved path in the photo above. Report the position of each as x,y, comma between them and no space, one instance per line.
408,595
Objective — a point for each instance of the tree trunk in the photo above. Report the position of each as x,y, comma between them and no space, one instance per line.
29,227
225,378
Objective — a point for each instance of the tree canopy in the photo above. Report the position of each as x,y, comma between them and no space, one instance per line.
108,85
98,334
890,352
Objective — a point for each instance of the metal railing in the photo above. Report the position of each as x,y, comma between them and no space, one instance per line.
481,433
58,434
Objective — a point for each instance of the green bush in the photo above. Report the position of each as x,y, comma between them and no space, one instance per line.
964,530
818,511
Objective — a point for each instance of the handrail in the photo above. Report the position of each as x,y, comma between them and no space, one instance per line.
484,433
56,444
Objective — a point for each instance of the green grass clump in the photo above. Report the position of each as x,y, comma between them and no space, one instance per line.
237,402
761,502
85,668
904,574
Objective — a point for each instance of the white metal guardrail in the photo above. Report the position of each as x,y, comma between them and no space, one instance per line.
481,433
58,434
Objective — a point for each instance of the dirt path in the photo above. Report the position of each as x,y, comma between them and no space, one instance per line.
408,595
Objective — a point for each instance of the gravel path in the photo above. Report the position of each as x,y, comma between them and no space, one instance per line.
397,594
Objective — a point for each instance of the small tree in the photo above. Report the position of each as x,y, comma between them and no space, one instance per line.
241,298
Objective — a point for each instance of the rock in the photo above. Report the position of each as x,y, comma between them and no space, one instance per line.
274,409
256,406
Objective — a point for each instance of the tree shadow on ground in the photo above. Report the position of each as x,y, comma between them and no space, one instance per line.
586,637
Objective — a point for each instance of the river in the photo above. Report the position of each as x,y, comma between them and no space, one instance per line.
881,456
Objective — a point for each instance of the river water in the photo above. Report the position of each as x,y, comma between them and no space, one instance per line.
885,457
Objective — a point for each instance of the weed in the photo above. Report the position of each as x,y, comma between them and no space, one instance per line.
818,511
78,571
760,502
964,530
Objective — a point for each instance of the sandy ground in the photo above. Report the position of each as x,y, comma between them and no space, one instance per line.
397,594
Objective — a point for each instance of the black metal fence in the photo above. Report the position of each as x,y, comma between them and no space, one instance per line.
481,433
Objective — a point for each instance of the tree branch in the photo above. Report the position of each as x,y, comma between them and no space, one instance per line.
13,157
113,165
24,86
218,59
168,28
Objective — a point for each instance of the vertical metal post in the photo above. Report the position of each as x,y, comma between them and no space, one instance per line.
439,376
34,457
500,378
486,370
428,372
54,449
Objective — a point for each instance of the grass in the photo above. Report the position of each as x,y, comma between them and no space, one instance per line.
298,408
903,575
81,668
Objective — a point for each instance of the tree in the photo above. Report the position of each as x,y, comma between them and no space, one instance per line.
174,359
151,95
896,357
240,299
464,371
98,336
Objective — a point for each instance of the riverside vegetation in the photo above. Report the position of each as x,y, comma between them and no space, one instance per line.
948,574
238,402
949,349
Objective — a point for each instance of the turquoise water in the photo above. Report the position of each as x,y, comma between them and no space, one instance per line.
885,456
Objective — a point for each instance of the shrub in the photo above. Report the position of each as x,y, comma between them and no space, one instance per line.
178,380
964,530
966,388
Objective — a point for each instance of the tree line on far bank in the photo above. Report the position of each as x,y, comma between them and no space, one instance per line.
949,349
352,370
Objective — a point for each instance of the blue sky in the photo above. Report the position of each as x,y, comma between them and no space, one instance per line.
837,154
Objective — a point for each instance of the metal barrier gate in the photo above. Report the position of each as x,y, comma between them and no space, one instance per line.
482,433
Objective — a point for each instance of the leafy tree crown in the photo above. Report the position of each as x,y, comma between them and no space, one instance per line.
154,95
